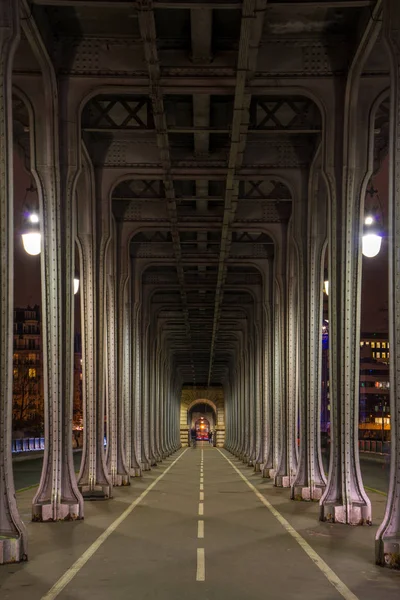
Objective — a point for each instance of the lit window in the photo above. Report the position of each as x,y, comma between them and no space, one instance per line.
373,355
361,343
367,343
378,344
383,354
372,344
32,373
15,372
387,345
383,344
32,357
15,358
378,355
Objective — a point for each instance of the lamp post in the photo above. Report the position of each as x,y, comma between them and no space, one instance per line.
76,283
372,237
31,236
326,282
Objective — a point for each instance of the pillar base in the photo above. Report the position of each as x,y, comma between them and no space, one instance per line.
282,481
307,493
44,513
257,467
135,472
388,553
95,492
265,472
11,551
121,480
250,463
146,466
352,515
269,473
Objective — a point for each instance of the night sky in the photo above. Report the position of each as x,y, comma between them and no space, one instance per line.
374,315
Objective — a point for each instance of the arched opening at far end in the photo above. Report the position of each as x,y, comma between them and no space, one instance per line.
202,421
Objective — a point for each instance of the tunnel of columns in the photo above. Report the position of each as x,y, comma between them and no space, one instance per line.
204,200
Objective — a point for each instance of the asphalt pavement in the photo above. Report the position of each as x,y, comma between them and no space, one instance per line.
200,526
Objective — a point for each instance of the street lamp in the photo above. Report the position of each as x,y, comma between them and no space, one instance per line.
372,238
76,283
326,282
30,231
31,237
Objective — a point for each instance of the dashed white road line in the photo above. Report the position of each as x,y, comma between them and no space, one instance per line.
78,564
201,568
200,529
201,565
337,583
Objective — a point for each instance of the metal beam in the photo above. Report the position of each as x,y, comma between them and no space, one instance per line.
204,4
148,33
250,36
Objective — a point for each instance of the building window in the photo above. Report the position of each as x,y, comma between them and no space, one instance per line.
372,344
361,343
378,344
15,373
383,354
367,343
383,344
373,355
32,373
15,358
378,355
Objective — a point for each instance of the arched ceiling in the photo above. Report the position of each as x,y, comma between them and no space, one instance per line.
207,148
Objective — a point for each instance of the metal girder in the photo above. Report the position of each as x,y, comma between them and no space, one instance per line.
148,32
201,4
250,36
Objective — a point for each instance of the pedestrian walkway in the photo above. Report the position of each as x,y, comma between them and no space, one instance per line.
200,526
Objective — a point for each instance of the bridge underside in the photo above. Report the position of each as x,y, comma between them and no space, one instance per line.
205,167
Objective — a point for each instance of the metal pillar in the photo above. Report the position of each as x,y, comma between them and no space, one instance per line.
58,497
93,479
345,499
388,535
116,460
268,431
144,396
293,383
136,467
13,542
279,472
310,480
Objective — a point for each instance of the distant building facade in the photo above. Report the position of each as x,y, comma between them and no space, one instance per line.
28,397
374,395
28,385
374,387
